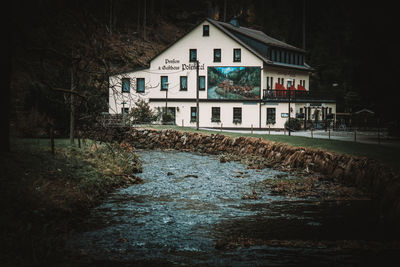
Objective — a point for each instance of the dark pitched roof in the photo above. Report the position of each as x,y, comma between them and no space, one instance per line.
259,36
228,28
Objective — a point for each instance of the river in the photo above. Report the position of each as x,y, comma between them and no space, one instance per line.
194,210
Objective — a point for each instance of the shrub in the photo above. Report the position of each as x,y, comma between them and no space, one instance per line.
295,124
142,113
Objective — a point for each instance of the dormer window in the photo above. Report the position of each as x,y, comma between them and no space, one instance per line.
206,30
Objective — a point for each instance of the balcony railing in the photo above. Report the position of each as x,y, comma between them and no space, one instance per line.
269,94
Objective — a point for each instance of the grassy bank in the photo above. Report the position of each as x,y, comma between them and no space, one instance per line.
389,156
43,195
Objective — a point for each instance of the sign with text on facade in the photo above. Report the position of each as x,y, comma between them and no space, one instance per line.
234,83
315,105
284,115
174,64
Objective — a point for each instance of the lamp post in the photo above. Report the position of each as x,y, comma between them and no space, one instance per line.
289,84
123,112
197,95
166,98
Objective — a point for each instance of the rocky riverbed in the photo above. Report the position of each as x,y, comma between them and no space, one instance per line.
194,209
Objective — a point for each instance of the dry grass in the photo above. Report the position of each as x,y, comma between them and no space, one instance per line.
44,195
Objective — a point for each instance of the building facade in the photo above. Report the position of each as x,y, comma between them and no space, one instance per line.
245,79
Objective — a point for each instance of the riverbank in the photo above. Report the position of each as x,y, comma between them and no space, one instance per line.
387,155
44,195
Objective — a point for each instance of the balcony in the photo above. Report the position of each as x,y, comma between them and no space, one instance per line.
297,95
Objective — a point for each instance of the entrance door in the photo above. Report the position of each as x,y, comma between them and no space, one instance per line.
172,112
316,115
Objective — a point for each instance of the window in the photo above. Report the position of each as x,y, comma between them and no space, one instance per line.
206,30
124,110
192,55
237,115
183,83
193,114
215,114
217,55
271,115
270,82
140,85
202,83
126,85
164,83
237,57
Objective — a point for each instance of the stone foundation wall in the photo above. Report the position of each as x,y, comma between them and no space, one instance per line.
363,172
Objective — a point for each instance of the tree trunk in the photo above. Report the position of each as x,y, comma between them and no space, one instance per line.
7,53
225,11
138,17
304,25
111,16
72,112
144,21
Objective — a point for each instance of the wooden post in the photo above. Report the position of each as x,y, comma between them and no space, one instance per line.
52,139
305,118
79,138
329,134
284,130
221,126
182,123
355,135
252,129
379,132
269,129
311,129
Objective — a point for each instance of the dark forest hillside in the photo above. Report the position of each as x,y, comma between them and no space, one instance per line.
61,49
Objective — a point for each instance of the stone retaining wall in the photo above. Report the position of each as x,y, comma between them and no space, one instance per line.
363,172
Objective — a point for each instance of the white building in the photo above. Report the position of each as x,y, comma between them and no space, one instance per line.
243,79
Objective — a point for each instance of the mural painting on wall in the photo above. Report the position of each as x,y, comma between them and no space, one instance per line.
234,82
